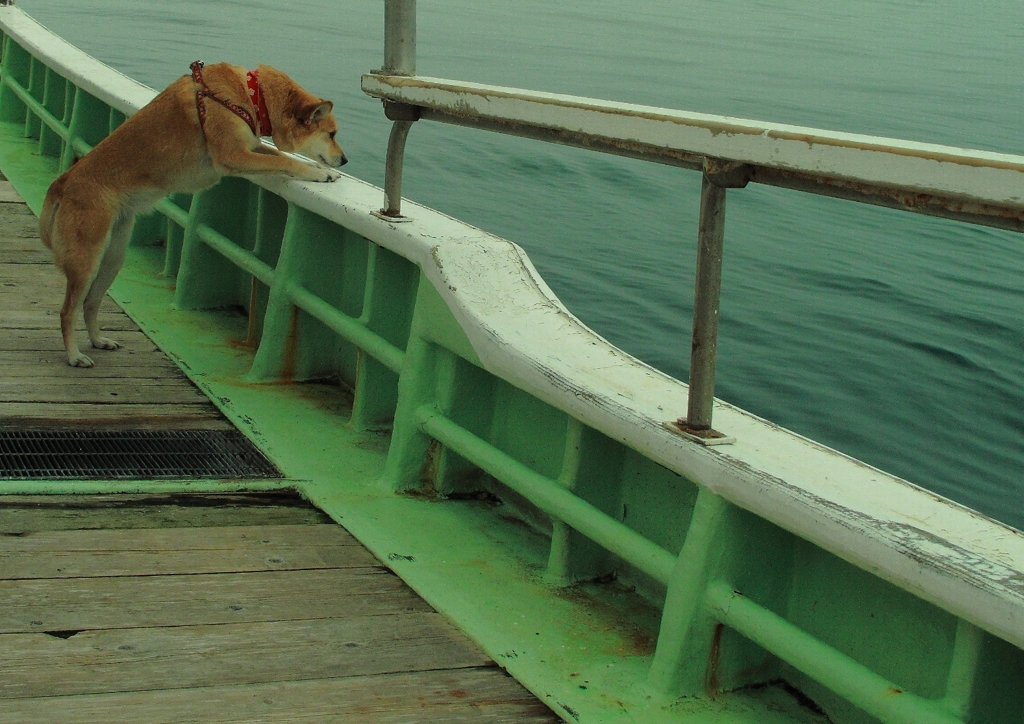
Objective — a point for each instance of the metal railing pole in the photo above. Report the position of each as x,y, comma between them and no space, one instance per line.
399,37
399,59
718,176
393,170
706,299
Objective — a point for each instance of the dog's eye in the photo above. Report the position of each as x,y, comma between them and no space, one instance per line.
332,134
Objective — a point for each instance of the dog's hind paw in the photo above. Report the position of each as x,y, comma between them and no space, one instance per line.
80,361
105,343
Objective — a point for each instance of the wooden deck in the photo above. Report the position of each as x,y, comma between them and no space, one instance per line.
162,608
224,608
136,387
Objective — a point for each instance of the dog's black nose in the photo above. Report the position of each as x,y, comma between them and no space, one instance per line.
344,159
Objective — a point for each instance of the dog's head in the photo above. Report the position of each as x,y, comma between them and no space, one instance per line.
303,123
314,134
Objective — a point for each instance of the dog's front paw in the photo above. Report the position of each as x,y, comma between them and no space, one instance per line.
80,360
321,174
105,343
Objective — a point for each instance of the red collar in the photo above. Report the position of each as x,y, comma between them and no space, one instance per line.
252,79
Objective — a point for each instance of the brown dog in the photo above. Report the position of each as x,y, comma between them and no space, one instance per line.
201,127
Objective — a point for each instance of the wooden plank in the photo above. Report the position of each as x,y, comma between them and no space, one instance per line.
48,604
12,202
141,659
21,514
29,275
202,541
81,554
102,390
156,563
8,194
40,317
460,696
54,366
34,340
19,223
24,286
46,289
40,415
9,244
28,251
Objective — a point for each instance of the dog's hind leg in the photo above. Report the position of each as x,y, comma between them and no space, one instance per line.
80,239
110,265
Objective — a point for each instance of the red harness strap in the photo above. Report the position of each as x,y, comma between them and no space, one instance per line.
256,126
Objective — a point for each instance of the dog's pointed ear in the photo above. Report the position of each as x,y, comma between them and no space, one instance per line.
312,114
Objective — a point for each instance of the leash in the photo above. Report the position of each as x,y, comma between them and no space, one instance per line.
259,125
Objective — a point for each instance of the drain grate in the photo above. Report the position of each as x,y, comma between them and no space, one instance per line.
130,455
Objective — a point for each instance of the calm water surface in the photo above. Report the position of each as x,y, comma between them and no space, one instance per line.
894,338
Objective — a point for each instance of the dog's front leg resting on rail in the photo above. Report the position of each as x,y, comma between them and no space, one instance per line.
245,162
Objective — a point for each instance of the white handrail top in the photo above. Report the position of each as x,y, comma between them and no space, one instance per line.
978,176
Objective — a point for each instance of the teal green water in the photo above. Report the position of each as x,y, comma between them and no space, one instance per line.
894,338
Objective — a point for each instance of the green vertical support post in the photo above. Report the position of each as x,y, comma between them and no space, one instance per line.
207,280
15,67
963,668
559,566
427,378
388,302
54,95
684,641
275,357
324,259
591,468
993,694
410,447
175,236
90,122
149,230
342,282
35,87
441,469
67,154
270,216
114,119
469,396
70,92
365,404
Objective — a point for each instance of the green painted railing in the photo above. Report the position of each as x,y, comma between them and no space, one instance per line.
744,603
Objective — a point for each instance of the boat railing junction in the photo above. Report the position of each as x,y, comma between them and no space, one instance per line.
974,186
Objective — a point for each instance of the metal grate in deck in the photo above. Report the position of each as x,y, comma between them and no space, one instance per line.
130,455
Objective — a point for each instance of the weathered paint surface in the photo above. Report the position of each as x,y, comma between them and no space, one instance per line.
451,356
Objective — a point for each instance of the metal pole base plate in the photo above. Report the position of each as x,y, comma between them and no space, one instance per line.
380,214
705,436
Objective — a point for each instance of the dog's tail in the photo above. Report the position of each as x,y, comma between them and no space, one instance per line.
49,211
